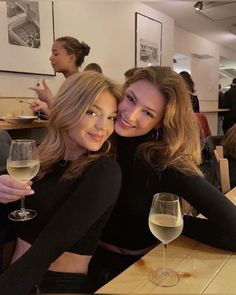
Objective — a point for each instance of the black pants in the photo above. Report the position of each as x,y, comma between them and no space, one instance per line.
105,265
60,282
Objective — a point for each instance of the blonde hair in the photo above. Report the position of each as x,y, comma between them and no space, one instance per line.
179,142
229,142
76,95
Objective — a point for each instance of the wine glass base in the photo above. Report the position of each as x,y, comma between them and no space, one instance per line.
164,278
22,215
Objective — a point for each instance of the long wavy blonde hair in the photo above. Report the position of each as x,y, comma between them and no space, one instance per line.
229,142
179,142
76,95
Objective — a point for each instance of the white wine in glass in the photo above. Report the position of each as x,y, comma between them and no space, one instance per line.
166,223
23,165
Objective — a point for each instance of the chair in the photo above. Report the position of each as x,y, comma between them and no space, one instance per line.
224,169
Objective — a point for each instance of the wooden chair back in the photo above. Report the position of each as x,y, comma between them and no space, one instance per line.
224,168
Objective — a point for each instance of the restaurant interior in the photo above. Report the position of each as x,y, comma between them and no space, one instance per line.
201,42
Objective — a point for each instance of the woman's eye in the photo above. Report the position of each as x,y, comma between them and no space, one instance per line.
129,97
148,114
113,118
90,112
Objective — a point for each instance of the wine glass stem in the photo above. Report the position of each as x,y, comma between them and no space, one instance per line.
164,256
22,203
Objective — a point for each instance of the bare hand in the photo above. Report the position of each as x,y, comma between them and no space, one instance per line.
44,94
40,106
12,190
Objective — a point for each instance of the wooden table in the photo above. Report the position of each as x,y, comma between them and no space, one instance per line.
34,130
202,269
10,126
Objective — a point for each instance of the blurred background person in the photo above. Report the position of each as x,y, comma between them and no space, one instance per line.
93,67
191,89
67,56
229,101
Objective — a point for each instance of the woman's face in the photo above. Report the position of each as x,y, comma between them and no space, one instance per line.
95,126
60,60
141,110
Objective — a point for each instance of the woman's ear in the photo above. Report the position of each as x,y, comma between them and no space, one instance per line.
72,59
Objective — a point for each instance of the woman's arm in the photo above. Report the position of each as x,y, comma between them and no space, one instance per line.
96,195
219,229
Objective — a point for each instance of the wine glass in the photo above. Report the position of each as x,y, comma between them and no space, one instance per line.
23,165
166,223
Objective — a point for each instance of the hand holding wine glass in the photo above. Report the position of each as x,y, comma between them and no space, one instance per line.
23,165
166,224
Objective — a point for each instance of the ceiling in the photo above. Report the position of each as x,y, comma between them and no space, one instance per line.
214,22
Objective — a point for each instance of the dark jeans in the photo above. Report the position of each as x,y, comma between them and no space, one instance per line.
105,265
60,282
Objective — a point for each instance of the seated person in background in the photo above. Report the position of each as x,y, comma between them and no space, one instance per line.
93,67
67,56
229,145
191,89
75,191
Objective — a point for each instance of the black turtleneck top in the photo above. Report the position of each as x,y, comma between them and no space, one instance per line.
70,217
127,226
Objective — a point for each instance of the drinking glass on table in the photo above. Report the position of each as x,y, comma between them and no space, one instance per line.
23,165
166,223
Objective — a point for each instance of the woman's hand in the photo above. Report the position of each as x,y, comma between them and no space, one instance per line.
44,94
12,190
40,106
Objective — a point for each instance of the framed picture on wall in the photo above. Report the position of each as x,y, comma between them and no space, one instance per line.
26,36
148,41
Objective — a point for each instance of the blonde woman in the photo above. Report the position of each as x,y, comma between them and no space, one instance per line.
75,191
158,151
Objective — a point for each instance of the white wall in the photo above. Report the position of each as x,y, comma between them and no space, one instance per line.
205,72
109,29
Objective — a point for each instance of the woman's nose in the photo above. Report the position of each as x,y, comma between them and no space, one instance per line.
132,115
101,124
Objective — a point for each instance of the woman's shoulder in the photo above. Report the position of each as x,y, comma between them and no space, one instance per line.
104,163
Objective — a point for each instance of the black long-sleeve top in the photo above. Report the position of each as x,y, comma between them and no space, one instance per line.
71,216
128,224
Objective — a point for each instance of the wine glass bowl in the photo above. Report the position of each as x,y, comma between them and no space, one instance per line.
23,165
165,223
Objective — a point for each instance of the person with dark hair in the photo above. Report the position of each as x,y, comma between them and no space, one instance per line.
75,191
93,67
67,56
229,101
191,89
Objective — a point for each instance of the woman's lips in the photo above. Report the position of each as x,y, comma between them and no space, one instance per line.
124,124
96,137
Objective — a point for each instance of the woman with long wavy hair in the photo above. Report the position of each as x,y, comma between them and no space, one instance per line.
75,191
159,150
